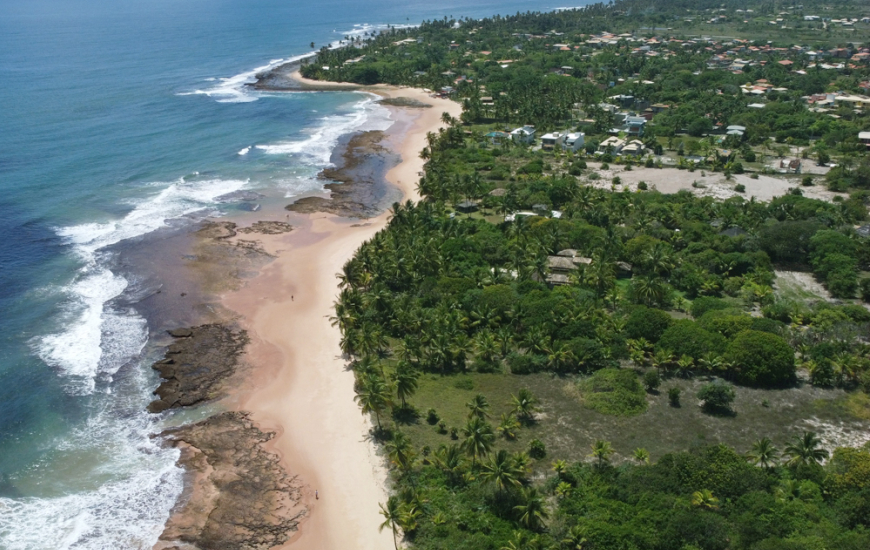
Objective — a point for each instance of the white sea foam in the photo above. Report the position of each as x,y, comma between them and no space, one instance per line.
245,151
128,511
96,340
316,149
235,90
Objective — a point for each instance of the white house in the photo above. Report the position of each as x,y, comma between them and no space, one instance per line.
864,137
526,134
552,140
575,142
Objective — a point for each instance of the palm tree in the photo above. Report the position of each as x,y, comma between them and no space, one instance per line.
602,451
405,379
532,512
805,450
508,426
560,466
641,455
705,499
478,438
401,452
477,407
575,539
763,453
373,394
449,460
501,470
391,513
524,404
521,541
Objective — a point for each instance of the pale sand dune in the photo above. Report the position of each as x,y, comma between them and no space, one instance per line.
300,386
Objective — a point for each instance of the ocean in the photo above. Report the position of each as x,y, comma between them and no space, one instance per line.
120,120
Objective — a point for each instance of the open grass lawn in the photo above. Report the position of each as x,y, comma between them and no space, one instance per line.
568,428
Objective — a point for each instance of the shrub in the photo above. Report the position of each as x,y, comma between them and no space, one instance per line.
727,322
865,289
648,323
652,380
432,417
594,176
674,396
740,188
521,363
613,391
717,396
616,180
442,427
537,449
702,305
642,186
464,383
688,338
856,313
749,155
761,359
589,353
763,324
807,181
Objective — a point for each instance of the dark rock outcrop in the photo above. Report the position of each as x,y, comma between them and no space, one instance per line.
239,496
196,365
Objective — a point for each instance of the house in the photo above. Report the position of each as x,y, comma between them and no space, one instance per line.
552,140
634,125
735,130
562,265
634,148
497,137
526,134
864,137
790,166
611,145
575,142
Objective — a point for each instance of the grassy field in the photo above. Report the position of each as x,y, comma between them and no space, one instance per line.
568,428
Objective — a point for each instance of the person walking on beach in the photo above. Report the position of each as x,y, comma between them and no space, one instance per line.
316,495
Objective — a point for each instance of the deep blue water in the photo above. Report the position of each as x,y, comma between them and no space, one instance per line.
116,118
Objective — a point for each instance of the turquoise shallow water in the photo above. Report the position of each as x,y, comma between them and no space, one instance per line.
118,119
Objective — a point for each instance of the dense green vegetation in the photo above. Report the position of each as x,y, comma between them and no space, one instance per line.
655,291
549,70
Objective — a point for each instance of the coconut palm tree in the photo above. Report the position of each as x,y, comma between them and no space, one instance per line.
763,453
532,512
560,467
508,426
641,455
478,406
705,499
373,394
805,450
575,538
525,405
478,438
392,514
601,450
401,451
405,379
449,460
501,470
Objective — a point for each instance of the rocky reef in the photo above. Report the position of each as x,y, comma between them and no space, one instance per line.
238,496
196,365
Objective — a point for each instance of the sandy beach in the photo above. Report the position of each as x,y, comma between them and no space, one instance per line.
299,385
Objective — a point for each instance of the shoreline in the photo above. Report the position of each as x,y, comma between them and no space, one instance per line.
296,384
